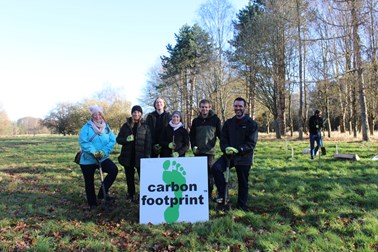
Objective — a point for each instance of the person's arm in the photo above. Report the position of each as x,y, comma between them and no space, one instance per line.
110,145
224,142
185,142
192,134
251,139
147,144
121,138
85,142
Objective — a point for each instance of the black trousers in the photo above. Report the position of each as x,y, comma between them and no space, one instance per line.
210,162
130,178
88,172
242,172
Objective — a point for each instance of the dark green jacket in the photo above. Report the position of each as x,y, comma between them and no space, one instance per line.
204,133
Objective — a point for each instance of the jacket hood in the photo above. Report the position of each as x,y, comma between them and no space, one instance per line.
211,114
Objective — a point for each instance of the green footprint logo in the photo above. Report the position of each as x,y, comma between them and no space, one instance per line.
173,172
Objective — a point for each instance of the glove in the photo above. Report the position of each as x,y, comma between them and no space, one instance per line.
195,150
175,154
99,154
157,148
130,138
172,145
231,150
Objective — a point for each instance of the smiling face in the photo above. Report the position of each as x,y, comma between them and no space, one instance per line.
159,105
205,108
97,117
175,119
136,115
239,108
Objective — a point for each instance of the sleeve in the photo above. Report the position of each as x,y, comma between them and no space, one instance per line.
218,128
164,138
84,139
110,145
251,139
147,144
192,134
121,138
224,142
185,142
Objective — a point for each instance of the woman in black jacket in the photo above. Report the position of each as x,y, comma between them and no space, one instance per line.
135,138
175,138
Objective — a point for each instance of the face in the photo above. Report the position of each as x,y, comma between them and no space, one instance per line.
205,108
159,104
97,117
239,108
136,115
175,119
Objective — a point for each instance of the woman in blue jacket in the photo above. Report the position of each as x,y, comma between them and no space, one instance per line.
96,141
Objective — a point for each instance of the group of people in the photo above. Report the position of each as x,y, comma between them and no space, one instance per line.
163,134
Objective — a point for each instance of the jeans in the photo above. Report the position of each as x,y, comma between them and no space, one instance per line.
242,172
88,172
318,139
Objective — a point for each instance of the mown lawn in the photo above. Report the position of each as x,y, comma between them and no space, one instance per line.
297,204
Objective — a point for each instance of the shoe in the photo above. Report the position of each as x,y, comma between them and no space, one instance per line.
219,200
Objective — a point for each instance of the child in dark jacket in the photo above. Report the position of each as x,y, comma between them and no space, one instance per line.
175,138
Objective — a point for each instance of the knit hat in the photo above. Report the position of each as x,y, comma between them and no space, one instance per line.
137,108
177,113
95,109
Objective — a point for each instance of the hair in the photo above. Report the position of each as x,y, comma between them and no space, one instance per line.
241,99
162,98
204,101
317,112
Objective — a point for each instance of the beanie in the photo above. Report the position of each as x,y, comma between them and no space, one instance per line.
137,108
177,113
95,109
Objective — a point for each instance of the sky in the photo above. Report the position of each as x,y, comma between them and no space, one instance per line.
68,50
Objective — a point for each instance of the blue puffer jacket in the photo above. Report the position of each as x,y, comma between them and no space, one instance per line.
105,142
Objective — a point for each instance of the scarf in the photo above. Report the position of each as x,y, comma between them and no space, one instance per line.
175,126
98,127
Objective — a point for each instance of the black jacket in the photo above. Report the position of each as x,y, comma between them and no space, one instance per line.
204,133
241,134
151,122
181,141
140,147
315,124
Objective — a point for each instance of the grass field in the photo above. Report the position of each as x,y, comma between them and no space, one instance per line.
297,204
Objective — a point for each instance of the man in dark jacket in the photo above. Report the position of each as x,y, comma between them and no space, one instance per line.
238,141
157,121
315,125
203,136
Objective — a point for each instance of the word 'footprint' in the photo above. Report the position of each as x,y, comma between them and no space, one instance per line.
173,173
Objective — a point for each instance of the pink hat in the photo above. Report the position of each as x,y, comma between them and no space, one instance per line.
95,109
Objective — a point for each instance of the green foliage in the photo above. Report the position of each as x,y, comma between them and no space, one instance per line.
297,204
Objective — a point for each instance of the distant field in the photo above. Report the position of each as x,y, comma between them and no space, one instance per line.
297,204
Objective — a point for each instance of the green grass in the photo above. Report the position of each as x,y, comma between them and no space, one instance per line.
297,204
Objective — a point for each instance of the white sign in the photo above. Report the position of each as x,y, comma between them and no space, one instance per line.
173,190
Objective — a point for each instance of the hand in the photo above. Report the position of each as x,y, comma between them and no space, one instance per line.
99,154
175,154
130,138
172,145
231,150
157,148
195,150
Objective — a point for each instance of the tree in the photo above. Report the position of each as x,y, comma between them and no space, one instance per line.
59,119
190,56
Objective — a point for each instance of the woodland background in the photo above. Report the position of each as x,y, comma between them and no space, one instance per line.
287,58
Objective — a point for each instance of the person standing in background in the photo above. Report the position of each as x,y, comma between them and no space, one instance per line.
203,136
315,124
96,140
157,120
135,138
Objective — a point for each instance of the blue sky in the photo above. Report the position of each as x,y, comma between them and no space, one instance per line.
67,50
